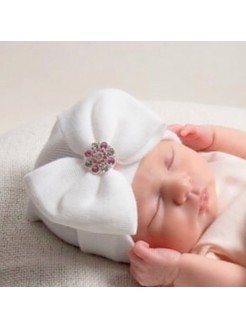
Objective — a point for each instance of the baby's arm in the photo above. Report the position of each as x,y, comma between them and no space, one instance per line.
229,140
212,138
166,267
197,270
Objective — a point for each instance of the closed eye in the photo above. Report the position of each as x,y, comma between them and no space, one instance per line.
169,160
156,211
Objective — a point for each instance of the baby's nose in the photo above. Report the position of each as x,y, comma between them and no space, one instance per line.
180,189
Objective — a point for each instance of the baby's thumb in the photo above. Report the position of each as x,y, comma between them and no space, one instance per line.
141,249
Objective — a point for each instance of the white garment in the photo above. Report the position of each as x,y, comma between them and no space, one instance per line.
226,237
75,187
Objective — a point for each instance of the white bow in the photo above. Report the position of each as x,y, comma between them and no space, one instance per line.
68,194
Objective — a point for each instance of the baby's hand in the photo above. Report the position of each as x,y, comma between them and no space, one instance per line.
154,266
197,137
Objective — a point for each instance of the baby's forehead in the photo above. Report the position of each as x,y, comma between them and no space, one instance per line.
155,155
162,147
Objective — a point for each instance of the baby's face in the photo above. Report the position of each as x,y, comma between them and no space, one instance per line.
176,197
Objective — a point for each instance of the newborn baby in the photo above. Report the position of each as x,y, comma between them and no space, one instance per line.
113,179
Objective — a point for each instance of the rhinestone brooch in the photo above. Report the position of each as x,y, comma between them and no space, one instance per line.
99,158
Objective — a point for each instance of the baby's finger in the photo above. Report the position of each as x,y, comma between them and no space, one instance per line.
142,249
176,128
136,274
134,255
188,129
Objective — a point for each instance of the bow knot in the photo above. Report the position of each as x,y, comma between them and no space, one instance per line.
99,158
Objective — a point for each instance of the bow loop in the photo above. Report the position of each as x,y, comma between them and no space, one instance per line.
69,195
115,117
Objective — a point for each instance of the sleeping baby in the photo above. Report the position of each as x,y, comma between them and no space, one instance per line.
116,181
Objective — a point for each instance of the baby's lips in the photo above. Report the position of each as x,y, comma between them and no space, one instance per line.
203,201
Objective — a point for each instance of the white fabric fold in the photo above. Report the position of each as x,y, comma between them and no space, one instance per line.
66,193
116,117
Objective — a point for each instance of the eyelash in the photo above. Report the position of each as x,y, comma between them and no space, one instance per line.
156,211
170,161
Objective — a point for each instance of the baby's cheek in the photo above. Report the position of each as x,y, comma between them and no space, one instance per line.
156,237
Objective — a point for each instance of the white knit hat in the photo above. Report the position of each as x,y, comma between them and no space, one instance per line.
82,178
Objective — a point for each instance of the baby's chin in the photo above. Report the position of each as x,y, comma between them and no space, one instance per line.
213,209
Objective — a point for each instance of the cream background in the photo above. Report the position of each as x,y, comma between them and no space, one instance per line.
38,78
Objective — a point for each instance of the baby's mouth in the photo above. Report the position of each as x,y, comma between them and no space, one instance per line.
203,201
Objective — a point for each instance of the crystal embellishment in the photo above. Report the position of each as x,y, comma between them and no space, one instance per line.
99,158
